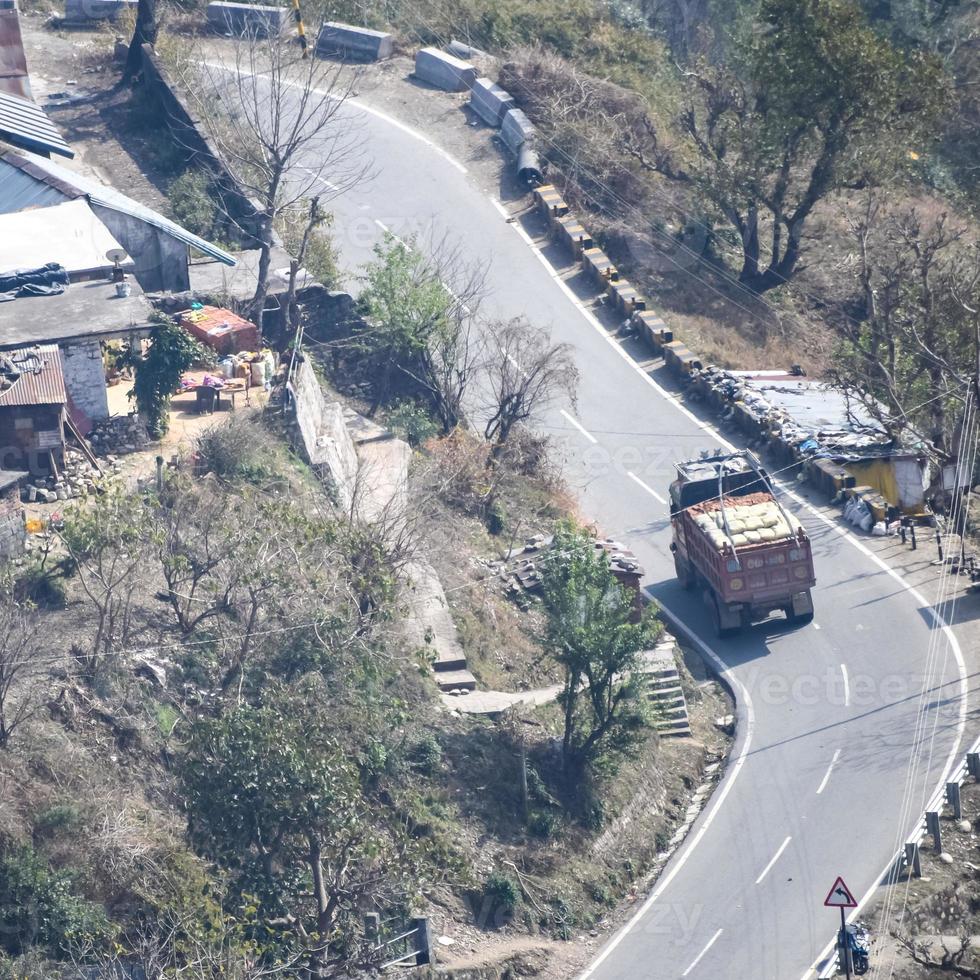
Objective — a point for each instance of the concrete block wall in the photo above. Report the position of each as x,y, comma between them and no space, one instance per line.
85,378
490,102
12,532
246,19
356,43
443,70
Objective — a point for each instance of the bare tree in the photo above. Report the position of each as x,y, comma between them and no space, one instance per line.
18,673
280,123
911,351
525,373
106,543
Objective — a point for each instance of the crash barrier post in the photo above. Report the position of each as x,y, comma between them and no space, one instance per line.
953,798
973,765
933,828
915,544
358,43
245,18
490,102
912,860
939,544
444,71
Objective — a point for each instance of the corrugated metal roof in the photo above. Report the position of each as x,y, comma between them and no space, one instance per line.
44,388
24,124
68,181
20,191
13,63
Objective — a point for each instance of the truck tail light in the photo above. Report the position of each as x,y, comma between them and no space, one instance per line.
800,571
735,584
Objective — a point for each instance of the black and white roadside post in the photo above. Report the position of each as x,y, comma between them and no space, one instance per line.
840,897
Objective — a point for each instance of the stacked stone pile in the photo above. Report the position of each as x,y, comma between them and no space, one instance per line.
78,478
119,435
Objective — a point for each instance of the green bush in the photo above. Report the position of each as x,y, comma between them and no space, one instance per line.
426,755
502,892
44,587
543,824
38,907
411,422
57,818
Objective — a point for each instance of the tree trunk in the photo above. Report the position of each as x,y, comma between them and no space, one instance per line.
265,260
750,246
144,33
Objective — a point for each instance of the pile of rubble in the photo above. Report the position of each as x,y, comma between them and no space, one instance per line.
119,435
520,572
78,478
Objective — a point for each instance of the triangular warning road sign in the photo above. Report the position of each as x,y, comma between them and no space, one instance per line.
840,896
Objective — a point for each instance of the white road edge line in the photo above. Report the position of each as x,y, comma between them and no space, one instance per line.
578,425
697,959
826,775
847,686
316,176
370,110
649,489
835,527
775,858
717,798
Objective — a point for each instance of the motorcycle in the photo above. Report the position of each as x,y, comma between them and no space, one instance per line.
859,943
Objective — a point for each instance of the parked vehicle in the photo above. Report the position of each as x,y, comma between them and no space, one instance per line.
859,943
735,542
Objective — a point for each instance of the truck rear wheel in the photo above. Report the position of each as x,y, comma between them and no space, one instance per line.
685,576
720,620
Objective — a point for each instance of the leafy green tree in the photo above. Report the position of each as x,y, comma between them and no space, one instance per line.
420,312
172,351
812,101
592,635
274,797
406,306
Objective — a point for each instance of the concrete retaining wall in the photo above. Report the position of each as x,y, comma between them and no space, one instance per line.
326,443
443,70
89,11
490,102
515,129
246,18
354,43
181,120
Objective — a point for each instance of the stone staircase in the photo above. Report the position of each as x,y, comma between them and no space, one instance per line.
664,688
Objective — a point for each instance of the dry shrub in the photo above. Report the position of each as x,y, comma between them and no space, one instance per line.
458,471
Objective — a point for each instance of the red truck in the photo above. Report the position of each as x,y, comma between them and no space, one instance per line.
738,544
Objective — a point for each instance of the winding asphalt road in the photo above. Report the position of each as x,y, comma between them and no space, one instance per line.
829,715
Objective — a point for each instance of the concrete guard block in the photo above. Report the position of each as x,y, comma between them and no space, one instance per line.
444,71
516,129
88,11
355,43
245,18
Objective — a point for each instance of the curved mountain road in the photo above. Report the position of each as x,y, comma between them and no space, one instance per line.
827,714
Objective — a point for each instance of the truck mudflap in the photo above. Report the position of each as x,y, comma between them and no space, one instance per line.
800,609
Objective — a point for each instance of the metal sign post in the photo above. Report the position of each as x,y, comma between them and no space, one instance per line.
840,897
